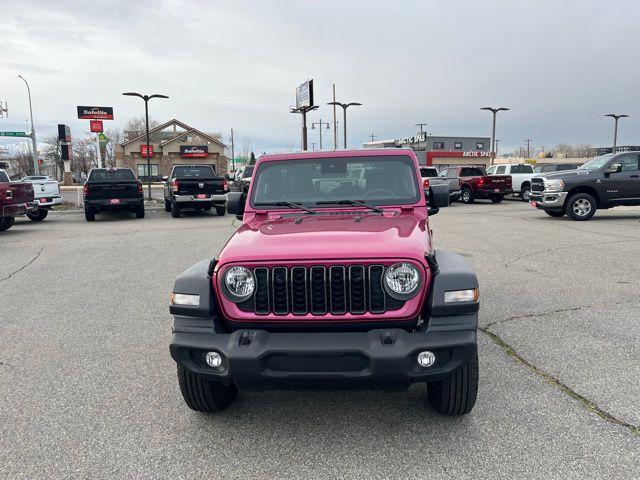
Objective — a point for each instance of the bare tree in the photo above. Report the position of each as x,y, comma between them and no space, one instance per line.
51,154
116,138
21,161
84,154
136,127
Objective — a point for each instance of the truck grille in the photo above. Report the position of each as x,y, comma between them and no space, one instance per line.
537,184
320,290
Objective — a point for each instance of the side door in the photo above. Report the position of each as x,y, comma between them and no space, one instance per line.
627,180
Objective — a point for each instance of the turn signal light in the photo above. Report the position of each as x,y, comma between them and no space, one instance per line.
425,184
175,185
455,296
139,187
185,299
85,190
225,186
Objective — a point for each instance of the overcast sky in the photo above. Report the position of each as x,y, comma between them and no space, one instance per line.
559,65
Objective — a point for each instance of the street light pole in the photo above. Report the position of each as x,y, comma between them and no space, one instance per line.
344,116
497,141
528,140
36,168
616,117
320,123
493,130
146,99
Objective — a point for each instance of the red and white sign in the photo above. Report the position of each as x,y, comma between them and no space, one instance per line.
143,150
95,126
194,151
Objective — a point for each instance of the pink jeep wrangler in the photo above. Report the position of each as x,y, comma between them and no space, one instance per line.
331,282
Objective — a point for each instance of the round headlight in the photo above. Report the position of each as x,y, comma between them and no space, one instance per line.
239,283
402,280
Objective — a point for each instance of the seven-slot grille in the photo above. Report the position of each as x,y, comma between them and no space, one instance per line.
537,184
320,290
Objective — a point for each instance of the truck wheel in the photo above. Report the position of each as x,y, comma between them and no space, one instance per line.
525,193
456,394
455,198
38,215
167,205
140,211
89,214
496,198
221,210
202,395
175,209
581,206
6,223
467,195
554,213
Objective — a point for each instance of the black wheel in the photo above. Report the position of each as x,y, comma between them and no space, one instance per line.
456,394
89,214
455,198
467,195
38,215
203,395
525,193
175,209
221,211
167,205
496,198
581,206
140,211
206,209
6,223
554,213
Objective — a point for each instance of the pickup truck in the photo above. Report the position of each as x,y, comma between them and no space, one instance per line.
475,183
329,284
47,194
429,176
195,187
112,190
521,175
16,198
603,182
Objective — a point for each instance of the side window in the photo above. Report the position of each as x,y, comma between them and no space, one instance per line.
491,170
443,173
629,162
501,170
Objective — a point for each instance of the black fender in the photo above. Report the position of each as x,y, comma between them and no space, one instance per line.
451,273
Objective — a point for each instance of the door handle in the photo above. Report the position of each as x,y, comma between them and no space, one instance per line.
634,176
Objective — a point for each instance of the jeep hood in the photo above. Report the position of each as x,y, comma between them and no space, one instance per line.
328,237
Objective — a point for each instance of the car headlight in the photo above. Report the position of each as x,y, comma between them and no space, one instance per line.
239,284
553,185
401,281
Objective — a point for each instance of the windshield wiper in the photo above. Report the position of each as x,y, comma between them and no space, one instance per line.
354,203
285,204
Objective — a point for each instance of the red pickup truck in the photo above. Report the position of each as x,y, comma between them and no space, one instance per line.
475,183
16,198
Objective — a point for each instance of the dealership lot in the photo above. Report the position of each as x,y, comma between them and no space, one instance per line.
89,388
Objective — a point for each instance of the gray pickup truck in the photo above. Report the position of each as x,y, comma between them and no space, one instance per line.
431,175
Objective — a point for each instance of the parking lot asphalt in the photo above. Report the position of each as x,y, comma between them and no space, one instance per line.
89,390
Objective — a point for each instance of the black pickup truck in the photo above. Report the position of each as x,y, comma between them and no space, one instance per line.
603,182
112,190
195,187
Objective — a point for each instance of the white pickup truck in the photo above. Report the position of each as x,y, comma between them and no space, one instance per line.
521,175
46,191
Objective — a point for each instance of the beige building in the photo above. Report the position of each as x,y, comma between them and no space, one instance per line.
172,143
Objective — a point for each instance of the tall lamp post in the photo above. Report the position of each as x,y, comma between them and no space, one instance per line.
320,124
146,99
493,131
344,116
36,168
616,117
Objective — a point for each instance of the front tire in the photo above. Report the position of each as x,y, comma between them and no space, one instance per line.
6,223
525,193
467,195
175,209
140,211
38,215
457,393
89,214
496,198
554,213
581,206
203,395
167,205
221,211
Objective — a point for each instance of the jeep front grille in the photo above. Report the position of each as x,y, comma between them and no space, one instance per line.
320,290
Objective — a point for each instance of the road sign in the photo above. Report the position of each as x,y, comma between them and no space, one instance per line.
95,126
14,134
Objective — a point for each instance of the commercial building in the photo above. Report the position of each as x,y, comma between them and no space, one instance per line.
172,143
596,152
442,151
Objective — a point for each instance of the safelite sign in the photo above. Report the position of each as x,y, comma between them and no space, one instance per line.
194,151
95,113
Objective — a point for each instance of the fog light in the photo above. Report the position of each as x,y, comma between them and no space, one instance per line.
213,359
426,358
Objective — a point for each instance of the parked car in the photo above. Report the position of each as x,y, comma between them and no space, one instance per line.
554,167
521,175
16,198
603,182
242,179
430,177
475,183
112,190
195,187
47,194
329,287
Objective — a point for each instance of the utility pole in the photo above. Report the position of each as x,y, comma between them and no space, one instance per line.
320,124
421,125
528,140
616,117
313,146
494,111
36,167
372,137
233,157
335,122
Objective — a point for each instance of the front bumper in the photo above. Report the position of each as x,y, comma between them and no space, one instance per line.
17,209
216,199
548,200
49,201
259,360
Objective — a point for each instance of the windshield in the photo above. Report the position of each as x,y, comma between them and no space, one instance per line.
381,180
428,172
596,163
204,171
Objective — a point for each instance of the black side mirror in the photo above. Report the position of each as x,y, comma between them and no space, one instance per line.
613,168
438,197
235,204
